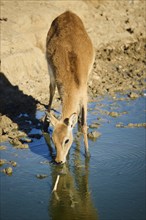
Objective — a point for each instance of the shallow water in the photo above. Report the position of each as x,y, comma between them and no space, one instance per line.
111,186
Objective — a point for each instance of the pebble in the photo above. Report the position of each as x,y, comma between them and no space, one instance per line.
4,138
114,114
26,140
120,125
3,147
17,144
94,125
13,163
138,125
133,95
22,146
2,162
94,135
8,171
16,134
41,176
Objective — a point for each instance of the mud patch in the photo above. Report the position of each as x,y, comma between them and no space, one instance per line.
119,68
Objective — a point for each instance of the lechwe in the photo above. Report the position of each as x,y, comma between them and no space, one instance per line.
70,56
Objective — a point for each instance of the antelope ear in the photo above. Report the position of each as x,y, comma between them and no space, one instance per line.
73,120
52,119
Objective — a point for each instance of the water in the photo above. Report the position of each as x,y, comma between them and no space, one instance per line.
111,186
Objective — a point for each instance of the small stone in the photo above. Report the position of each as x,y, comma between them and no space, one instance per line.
133,95
41,176
114,114
130,125
138,125
18,145
94,125
22,146
124,113
120,125
8,171
2,162
13,163
1,131
143,125
7,125
16,134
4,138
94,135
3,147
26,140
15,142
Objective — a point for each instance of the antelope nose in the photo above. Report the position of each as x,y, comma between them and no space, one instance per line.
58,162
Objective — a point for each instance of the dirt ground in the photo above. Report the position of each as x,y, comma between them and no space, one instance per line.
117,30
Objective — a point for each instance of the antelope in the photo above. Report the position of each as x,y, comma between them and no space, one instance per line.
70,56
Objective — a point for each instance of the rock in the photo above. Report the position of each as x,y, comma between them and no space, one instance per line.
25,140
114,114
2,162
6,124
94,125
124,113
16,134
13,163
138,125
3,147
94,135
1,132
120,125
9,130
4,138
8,171
41,176
18,145
22,146
131,125
133,95
15,142
141,125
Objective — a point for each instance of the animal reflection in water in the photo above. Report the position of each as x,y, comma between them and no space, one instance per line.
72,199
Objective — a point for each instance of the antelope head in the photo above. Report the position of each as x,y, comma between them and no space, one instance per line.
62,136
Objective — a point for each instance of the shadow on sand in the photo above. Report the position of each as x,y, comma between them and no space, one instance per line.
14,102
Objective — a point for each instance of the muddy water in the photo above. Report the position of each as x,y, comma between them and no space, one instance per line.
111,186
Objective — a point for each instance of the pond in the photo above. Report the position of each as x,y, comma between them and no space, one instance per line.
109,186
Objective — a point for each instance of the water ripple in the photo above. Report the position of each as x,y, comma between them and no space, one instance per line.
121,161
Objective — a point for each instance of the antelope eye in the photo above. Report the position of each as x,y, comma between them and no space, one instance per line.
66,141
